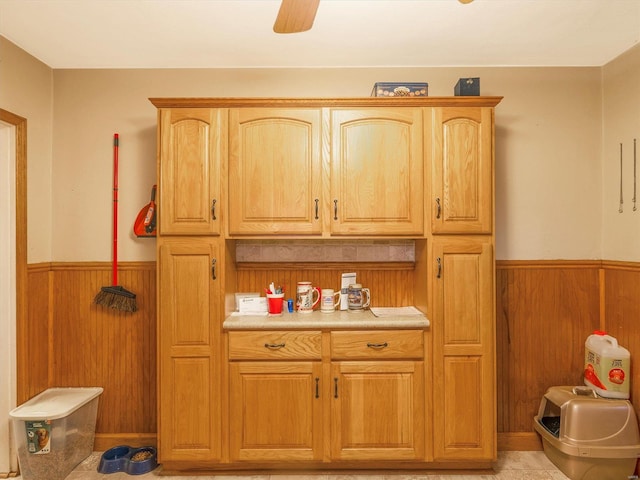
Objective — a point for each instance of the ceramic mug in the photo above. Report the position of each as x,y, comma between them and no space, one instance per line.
307,297
329,300
355,299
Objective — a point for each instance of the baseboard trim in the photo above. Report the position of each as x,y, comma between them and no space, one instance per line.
105,441
510,441
519,441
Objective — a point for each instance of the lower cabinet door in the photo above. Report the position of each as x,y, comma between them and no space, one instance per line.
275,411
463,319
377,410
189,420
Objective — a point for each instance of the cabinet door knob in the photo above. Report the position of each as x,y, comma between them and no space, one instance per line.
317,201
438,208
213,209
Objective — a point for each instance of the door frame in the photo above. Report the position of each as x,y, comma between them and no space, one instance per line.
19,125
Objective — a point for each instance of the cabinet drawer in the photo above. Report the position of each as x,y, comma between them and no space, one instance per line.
377,344
272,345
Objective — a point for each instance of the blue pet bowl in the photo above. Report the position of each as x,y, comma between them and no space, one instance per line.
114,460
134,461
142,460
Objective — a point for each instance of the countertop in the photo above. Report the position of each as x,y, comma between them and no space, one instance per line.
318,320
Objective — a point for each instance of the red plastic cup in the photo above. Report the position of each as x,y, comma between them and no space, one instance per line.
274,303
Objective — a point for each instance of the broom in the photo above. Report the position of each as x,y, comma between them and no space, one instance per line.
114,296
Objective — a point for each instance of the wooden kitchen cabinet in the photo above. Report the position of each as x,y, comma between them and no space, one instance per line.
189,297
374,393
377,410
275,411
377,165
377,398
276,177
464,397
234,168
275,378
275,171
461,170
462,282
191,149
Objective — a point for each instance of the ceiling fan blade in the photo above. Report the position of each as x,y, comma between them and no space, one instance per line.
296,16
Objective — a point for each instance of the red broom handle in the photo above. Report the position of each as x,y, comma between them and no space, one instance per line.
115,210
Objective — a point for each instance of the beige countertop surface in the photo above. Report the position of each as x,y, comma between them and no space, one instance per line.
318,320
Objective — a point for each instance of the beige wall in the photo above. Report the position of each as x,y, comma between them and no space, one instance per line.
621,93
547,142
26,89
548,150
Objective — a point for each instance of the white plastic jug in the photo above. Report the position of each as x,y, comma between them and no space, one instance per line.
606,366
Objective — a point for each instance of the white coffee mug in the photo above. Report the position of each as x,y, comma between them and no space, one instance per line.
329,300
307,297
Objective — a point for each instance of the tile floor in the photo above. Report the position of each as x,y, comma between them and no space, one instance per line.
509,466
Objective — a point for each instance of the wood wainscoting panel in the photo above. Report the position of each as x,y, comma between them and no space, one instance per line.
622,314
91,345
391,284
544,312
33,335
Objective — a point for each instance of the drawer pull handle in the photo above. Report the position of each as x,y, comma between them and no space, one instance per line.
377,345
317,387
274,346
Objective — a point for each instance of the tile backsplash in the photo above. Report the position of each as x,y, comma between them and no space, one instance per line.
325,251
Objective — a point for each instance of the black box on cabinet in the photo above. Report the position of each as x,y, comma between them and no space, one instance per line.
467,87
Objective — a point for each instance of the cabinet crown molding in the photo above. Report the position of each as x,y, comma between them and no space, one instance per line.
230,102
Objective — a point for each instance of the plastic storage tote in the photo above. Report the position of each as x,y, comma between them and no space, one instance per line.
54,431
588,437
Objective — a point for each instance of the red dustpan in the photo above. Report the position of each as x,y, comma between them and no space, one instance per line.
145,224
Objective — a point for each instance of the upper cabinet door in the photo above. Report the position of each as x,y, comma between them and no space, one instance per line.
377,167
275,171
191,151
462,170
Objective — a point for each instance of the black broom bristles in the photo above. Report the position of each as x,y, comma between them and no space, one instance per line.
117,298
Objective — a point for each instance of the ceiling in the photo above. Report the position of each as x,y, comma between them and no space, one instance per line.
346,33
